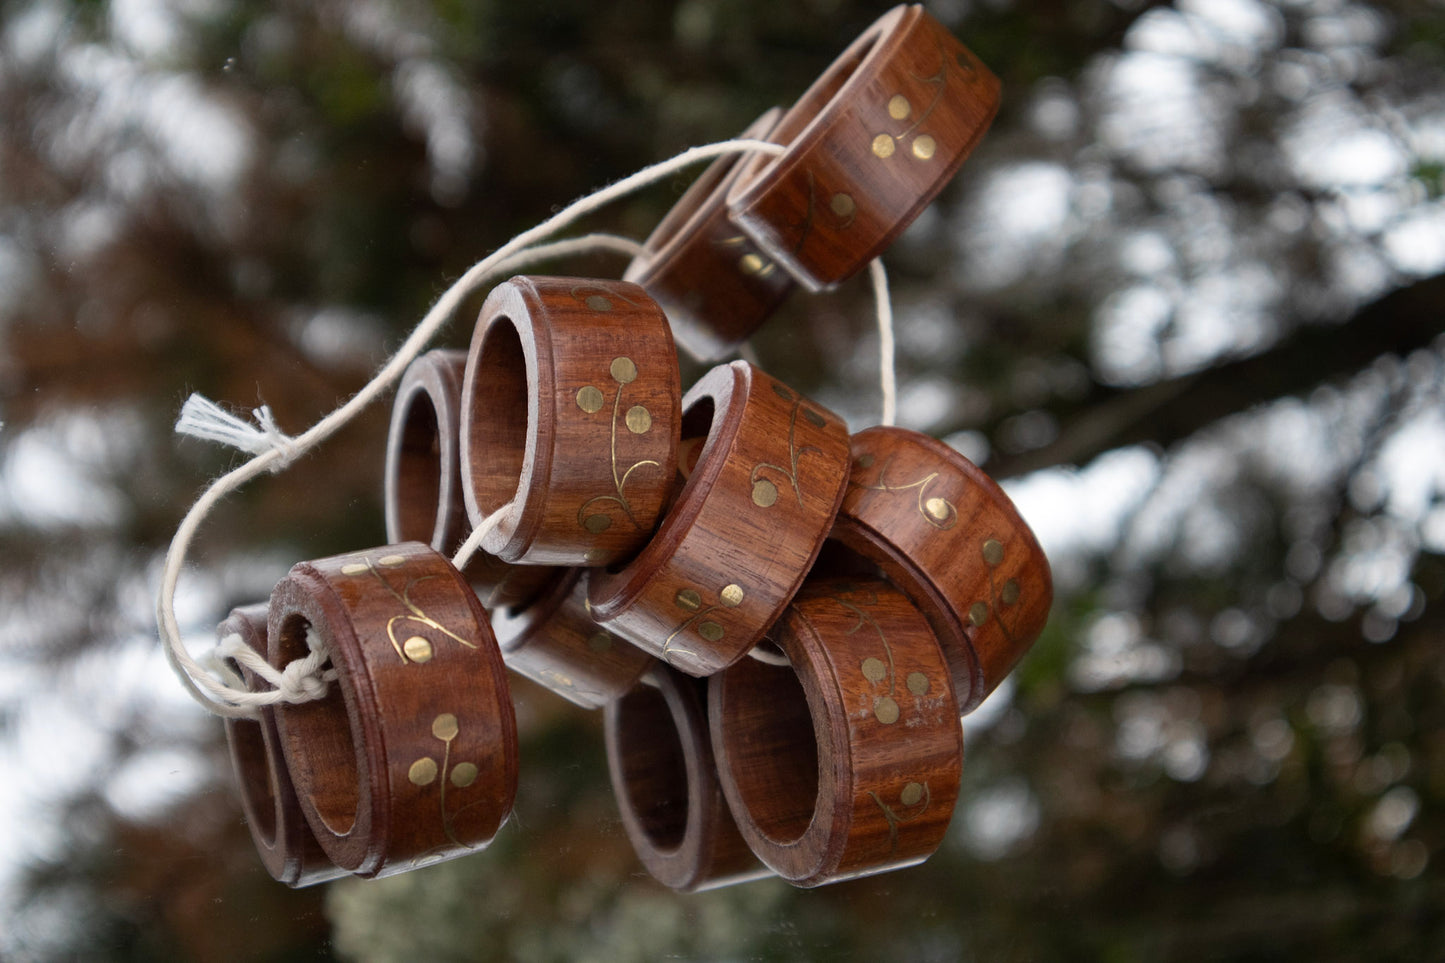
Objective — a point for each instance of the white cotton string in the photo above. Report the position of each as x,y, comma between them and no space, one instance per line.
887,376
303,680
213,693
203,418
468,548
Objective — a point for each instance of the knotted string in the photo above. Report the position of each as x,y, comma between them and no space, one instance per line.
203,418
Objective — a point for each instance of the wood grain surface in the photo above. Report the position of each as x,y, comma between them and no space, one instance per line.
411,758
422,491
944,532
870,145
743,532
716,287
554,642
570,408
284,840
846,762
659,755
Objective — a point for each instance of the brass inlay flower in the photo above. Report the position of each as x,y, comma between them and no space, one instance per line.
915,796
936,510
690,600
900,108
765,491
416,648
638,420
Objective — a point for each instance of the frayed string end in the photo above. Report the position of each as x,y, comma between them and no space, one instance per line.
203,418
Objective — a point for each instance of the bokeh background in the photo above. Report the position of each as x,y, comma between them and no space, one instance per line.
1185,301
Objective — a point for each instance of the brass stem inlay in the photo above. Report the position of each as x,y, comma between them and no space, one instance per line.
690,601
936,510
913,794
638,420
900,108
765,492
416,648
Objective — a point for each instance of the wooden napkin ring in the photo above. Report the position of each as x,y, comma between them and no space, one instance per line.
709,277
555,643
423,488
285,843
947,535
744,531
412,757
847,762
570,412
870,144
660,758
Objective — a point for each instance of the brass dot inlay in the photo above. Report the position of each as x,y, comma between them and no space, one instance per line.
917,683
423,772
710,631
688,599
600,642
355,568
993,551
391,561
464,775
886,711
751,264
883,146
765,493
445,727
874,670
937,508
597,524
597,302
590,399
978,613
899,108
1010,593
843,204
624,372
417,649
924,146
911,795
639,419
731,595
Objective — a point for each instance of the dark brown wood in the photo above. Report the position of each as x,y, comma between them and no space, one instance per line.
743,532
569,412
947,535
660,758
423,487
411,758
846,762
870,145
715,285
555,643
284,841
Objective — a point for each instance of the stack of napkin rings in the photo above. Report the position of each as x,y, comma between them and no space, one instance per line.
783,623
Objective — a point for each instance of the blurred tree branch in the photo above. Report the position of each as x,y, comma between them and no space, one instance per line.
1169,411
